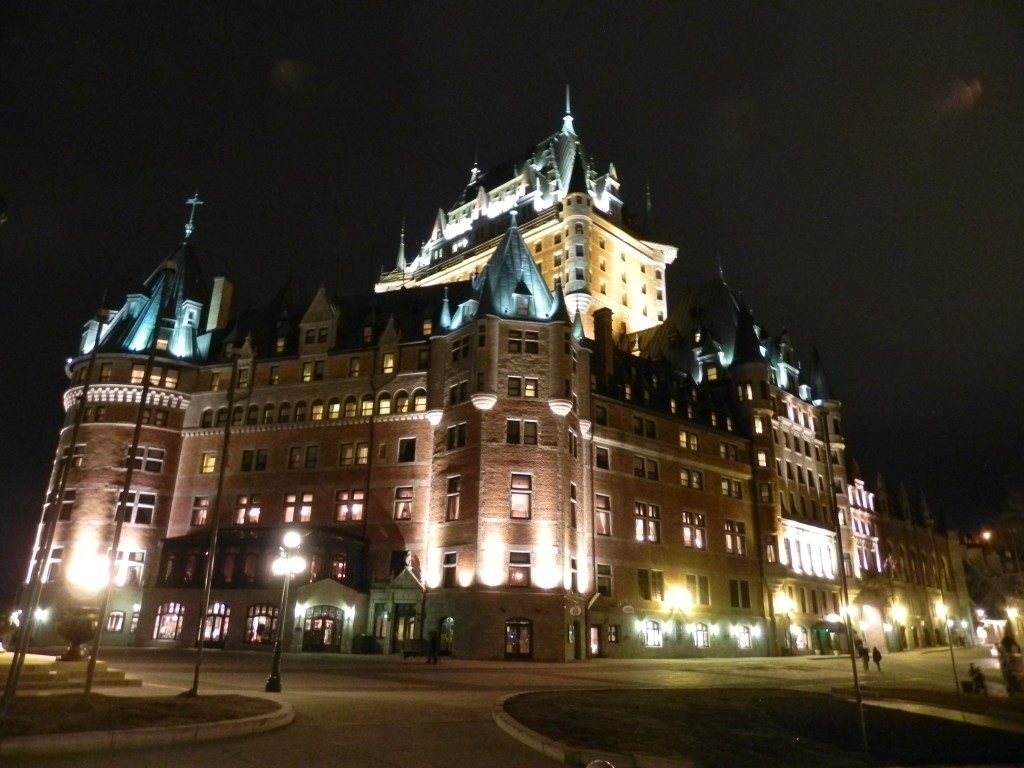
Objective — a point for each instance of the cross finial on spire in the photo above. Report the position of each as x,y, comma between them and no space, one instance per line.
193,202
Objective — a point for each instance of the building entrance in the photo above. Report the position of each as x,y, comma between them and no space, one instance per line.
518,639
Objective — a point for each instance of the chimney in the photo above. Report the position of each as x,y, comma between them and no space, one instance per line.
220,304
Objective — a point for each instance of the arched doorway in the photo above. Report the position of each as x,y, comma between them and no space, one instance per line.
446,636
518,638
321,628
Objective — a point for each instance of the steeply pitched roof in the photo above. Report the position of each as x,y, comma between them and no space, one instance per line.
512,276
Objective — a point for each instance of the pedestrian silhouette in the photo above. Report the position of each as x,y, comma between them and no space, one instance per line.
432,643
977,680
865,657
876,655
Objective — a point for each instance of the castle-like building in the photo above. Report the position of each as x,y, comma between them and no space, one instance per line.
515,443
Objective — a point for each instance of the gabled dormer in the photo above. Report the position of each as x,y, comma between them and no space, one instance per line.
319,326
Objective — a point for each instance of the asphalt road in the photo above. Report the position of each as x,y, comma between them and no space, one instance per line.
388,711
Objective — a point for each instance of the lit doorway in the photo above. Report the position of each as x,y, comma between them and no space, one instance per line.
518,639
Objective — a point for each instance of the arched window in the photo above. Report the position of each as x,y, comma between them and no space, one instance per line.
268,413
350,407
384,404
333,409
701,636
168,621
317,411
579,228
401,401
284,413
419,400
300,411
237,415
799,637
743,637
366,406
652,634
206,420
215,628
253,415
222,417
261,623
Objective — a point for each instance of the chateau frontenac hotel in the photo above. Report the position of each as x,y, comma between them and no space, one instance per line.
515,442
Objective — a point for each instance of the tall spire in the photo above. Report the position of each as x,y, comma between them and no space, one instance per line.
193,201
567,120
401,248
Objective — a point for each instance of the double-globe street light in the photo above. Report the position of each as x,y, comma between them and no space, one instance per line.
288,563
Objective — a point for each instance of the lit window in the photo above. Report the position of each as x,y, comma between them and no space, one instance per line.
694,530
602,515
298,507
743,637
247,509
200,510
691,478
169,617
521,495
701,636
519,569
362,453
652,634
648,522
451,507
529,387
687,440
735,537
348,505
388,363
403,502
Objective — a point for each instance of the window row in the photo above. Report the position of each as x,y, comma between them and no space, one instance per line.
318,410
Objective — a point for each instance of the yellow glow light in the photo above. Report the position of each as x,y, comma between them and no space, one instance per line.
940,609
680,598
1012,614
899,612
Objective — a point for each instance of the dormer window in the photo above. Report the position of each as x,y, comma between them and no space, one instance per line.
428,327
367,334
162,341
712,371
522,306
279,345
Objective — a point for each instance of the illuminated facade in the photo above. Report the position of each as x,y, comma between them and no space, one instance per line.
512,443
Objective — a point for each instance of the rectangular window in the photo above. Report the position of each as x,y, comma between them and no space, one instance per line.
604,579
764,492
295,457
347,454
348,505
529,387
515,386
762,459
147,459
456,436
699,588
601,458
403,502
451,505
651,584
388,362
200,510
691,478
67,504
521,496
406,450
531,342
613,633
601,415
602,515
353,366
139,508
520,432
731,488
735,537
312,456
687,440
449,567
643,467
729,451
573,505
694,530
648,522
247,509
362,453
298,507
460,349
519,569
274,375
208,463
739,593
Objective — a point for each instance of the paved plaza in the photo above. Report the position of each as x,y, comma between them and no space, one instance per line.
389,711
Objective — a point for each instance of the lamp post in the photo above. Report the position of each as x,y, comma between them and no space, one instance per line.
288,562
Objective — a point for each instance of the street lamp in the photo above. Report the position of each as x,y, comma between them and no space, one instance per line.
288,562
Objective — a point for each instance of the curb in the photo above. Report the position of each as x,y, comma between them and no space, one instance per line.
567,754
102,741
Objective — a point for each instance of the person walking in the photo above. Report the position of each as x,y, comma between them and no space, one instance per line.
876,656
865,657
977,680
432,643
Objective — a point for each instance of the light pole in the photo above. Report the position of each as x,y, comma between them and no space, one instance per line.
288,562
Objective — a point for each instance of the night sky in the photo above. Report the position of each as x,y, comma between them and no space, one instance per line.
856,168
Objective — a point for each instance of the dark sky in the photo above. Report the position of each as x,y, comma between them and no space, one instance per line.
857,168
